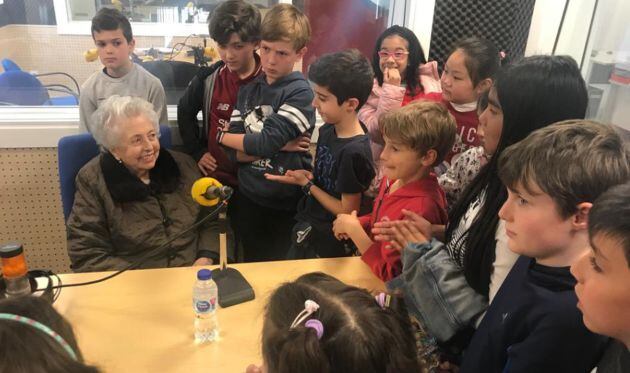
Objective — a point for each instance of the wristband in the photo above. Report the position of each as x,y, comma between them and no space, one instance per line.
307,188
220,136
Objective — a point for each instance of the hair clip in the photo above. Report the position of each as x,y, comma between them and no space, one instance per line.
317,325
310,307
383,299
37,325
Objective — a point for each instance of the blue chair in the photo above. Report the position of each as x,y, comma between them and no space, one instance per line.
73,152
9,65
18,87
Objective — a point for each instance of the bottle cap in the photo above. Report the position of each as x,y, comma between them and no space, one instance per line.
204,274
10,250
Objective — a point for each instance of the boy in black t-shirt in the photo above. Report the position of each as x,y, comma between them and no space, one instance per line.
343,167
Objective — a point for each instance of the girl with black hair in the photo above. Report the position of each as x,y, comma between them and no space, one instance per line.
468,73
529,95
319,324
402,75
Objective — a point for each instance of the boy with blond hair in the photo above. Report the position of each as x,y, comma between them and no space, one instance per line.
552,176
417,137
271,111
603,277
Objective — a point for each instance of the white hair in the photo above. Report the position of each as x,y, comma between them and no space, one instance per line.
114,112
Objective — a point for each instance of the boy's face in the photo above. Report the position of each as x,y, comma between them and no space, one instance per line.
113,49
535,227
326,104
237,54
277,58
603,288
457,87
399,161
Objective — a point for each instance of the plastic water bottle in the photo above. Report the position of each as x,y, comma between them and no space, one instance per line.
205,307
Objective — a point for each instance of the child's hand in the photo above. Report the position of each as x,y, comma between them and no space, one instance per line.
253,369
207,164
300,144
345,224
399,233
392,76
294,177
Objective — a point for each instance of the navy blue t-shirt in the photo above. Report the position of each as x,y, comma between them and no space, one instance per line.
342,165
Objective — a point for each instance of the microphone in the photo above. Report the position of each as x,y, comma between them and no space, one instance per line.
233,287
208,191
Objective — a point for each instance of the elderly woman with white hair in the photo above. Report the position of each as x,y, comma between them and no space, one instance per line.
134,197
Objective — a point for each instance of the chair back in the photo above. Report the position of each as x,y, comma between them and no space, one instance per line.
74,152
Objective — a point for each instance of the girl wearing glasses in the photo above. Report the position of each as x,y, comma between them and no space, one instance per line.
402,75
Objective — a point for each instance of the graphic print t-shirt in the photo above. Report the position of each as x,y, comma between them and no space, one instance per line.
342,165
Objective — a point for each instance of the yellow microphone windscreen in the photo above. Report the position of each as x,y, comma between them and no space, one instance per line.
199,188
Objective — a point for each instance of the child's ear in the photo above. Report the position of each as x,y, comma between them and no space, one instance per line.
429,158
352,104
483,86
132,44
580,218
301,53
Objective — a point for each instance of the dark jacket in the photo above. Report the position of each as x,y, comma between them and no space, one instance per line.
270,116
116,218
197,98
533,325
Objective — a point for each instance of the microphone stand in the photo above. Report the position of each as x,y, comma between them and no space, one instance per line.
233,287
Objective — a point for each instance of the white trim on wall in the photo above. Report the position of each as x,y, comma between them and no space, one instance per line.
67,27
420,21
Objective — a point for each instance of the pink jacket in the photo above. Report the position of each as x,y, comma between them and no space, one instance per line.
389,97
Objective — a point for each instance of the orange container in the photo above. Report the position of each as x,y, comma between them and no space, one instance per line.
13,261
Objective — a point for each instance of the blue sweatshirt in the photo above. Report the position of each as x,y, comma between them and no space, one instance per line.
533,325
271,115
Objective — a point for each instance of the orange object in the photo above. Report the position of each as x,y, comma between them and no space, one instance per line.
13,261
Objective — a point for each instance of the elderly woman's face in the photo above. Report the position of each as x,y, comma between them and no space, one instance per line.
138,145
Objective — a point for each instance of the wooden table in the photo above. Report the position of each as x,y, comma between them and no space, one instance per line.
142,321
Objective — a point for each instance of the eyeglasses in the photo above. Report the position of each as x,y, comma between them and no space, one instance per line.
398,55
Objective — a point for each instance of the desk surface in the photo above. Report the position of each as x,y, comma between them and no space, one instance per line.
142,321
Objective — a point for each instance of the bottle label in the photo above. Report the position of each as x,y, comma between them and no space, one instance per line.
202,306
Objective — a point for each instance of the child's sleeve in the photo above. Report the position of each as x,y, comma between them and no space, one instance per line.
559,342
460,173
355,172
391,97
386,263
365,222
87,107
157,97
237,124
295,116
